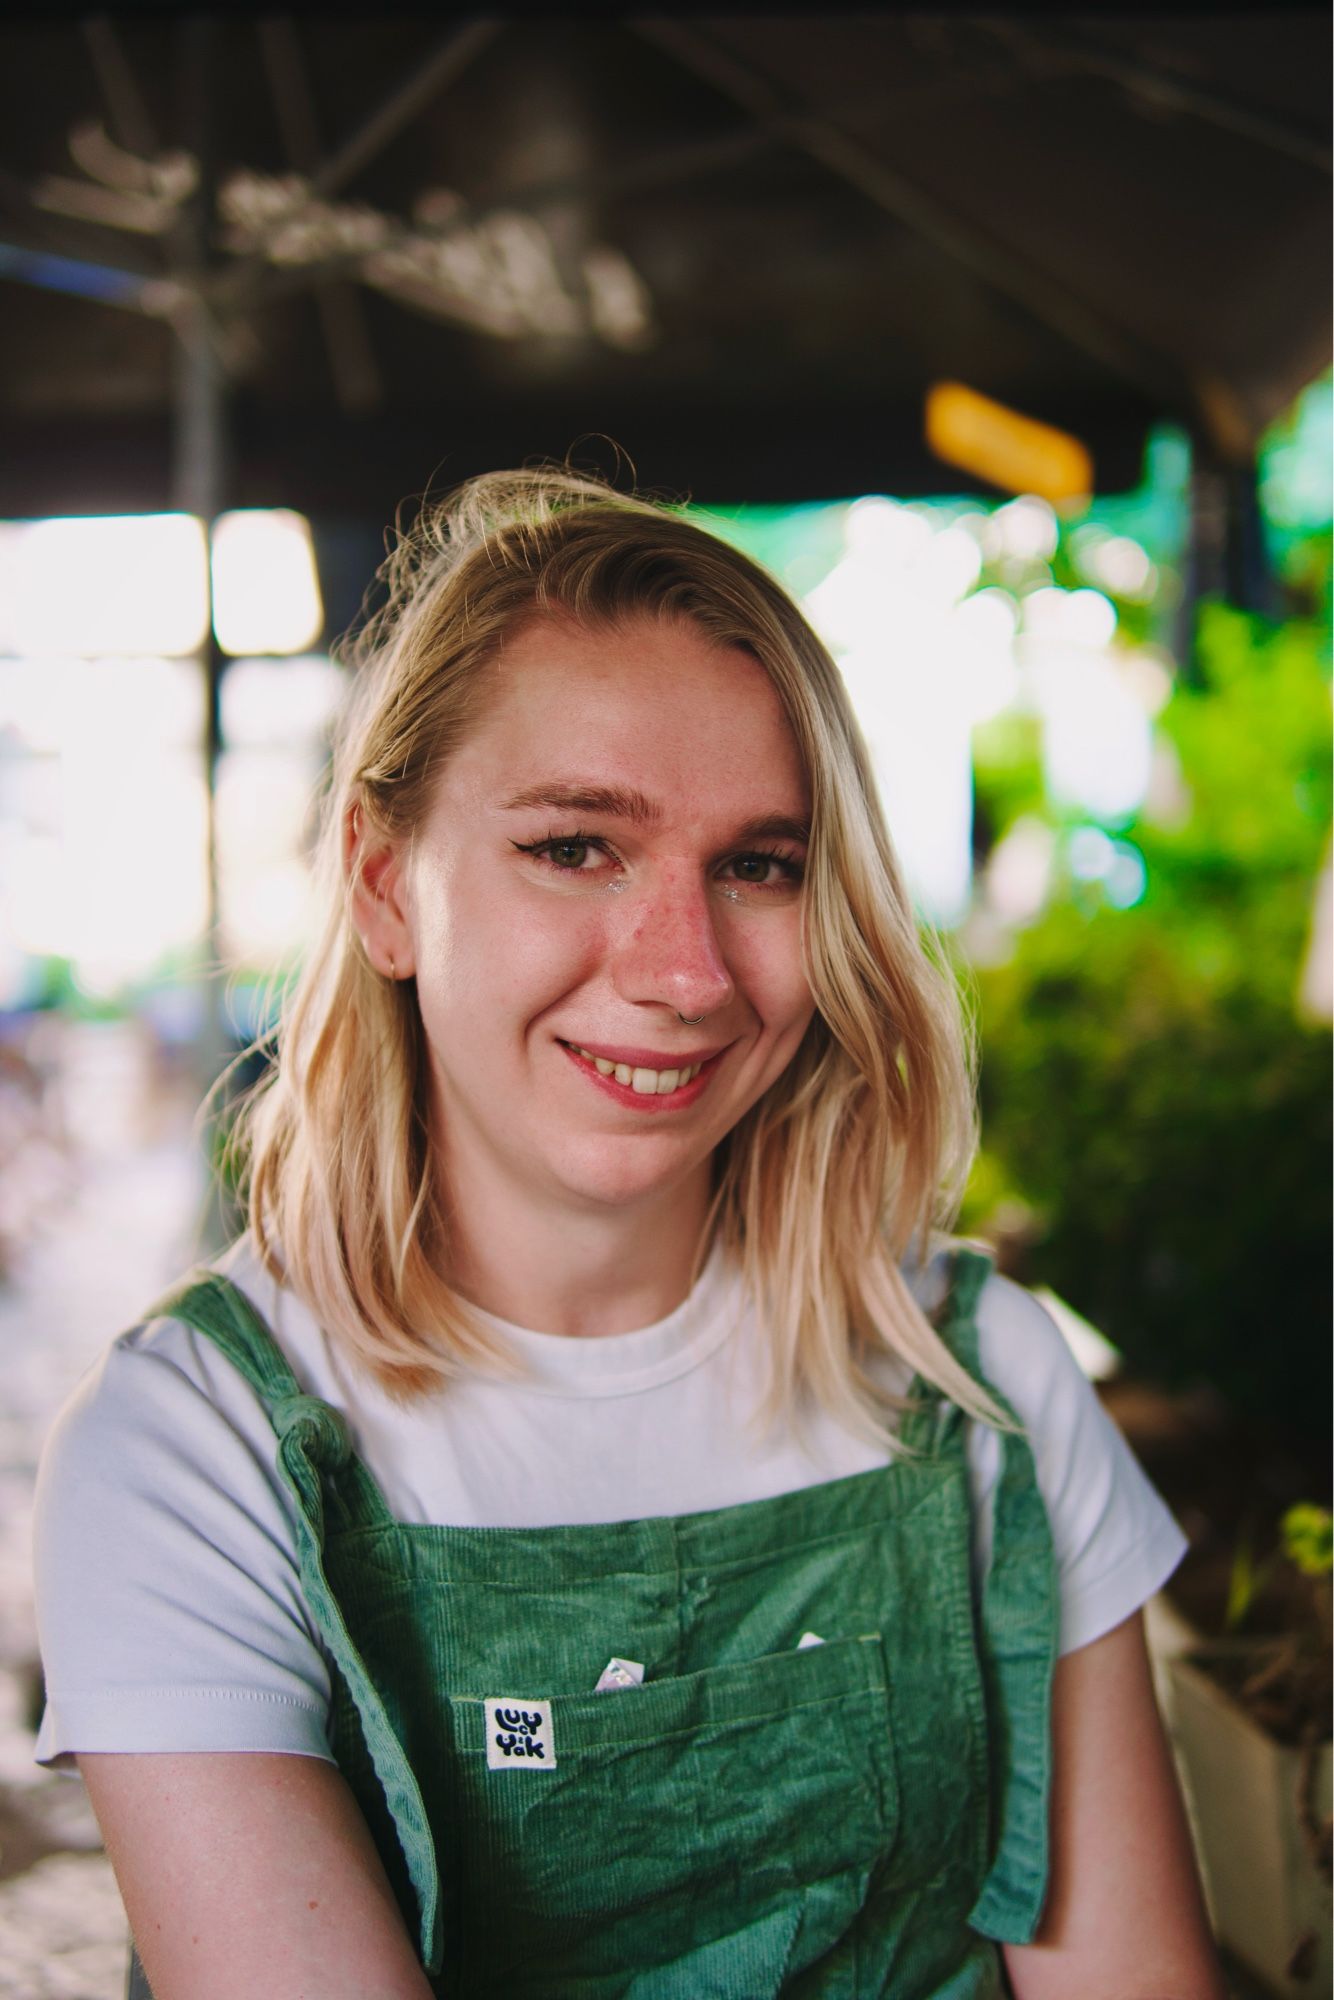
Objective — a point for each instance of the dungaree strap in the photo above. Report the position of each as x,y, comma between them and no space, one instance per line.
1017,1642
332,1490
213,1305
313,1436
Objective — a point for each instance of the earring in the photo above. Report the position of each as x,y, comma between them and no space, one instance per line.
393,972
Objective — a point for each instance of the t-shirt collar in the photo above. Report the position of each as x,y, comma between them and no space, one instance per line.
622,1364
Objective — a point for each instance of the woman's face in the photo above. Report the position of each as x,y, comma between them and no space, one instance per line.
619,843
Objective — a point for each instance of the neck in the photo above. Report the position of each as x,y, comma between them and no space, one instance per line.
581,1270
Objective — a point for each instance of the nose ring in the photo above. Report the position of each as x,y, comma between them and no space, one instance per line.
693,1021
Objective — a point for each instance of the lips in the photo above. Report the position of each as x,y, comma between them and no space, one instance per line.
646,1058
660,1085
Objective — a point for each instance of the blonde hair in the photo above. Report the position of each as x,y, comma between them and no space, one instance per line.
844,1166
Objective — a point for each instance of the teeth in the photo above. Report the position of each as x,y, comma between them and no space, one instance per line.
647,1082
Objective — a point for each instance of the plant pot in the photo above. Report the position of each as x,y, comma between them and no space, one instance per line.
1267,1894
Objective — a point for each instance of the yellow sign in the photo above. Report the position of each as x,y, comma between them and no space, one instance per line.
997,444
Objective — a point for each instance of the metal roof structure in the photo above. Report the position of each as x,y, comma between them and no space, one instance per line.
321,261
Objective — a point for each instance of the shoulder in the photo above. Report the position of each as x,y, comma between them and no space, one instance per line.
167,1389
1114,1540
1024,1354
160,1383
169,1603
162,1437
1021,1350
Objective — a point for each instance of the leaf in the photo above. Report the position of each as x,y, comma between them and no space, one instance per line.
1308,1538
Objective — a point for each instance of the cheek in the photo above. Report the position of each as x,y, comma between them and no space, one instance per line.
774,976
500,960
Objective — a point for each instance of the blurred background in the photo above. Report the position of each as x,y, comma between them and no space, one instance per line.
1005,342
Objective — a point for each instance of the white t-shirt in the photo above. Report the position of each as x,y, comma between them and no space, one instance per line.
169,1603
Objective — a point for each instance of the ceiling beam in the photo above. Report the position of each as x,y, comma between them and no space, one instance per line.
357,381
420,87
127,110
670,167
1041,295
1158,88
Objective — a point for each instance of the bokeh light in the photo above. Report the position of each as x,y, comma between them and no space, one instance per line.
266,594
128,584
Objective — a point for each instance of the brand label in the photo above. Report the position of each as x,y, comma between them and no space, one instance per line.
518,1734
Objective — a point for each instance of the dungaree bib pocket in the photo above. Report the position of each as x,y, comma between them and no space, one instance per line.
745,1803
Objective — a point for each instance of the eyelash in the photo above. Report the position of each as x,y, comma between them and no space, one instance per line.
791,871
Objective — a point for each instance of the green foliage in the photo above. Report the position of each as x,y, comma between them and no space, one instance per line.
1296,468
1297,499
1007,767
1306,1544
1148,1088
1244,1584
1308,1538
1253,741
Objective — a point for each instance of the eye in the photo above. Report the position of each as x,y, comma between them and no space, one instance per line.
567,854
765,871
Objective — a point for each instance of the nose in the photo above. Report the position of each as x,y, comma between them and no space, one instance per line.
669,952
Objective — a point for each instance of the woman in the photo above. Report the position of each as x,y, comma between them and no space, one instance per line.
587,1540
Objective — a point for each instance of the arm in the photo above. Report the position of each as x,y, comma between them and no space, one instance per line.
250,1876
1125,1919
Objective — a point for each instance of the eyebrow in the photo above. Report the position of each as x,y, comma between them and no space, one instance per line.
623,802
610,801
774,826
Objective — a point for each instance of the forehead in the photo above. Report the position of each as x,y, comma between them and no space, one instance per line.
653,703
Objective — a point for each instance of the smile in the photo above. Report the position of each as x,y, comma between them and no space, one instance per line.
638,1084
648,1082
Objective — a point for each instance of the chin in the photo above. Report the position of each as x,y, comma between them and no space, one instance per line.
621,1182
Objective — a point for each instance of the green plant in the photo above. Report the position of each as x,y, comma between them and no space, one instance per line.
1286,1681
1308,1538
1148,1090
1306,1533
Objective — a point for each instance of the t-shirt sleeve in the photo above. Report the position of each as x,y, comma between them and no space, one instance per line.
1115,1541
169,1605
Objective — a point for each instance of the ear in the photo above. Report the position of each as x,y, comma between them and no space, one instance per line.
373,867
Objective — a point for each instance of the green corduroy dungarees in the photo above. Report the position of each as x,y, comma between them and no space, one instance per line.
853,1819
